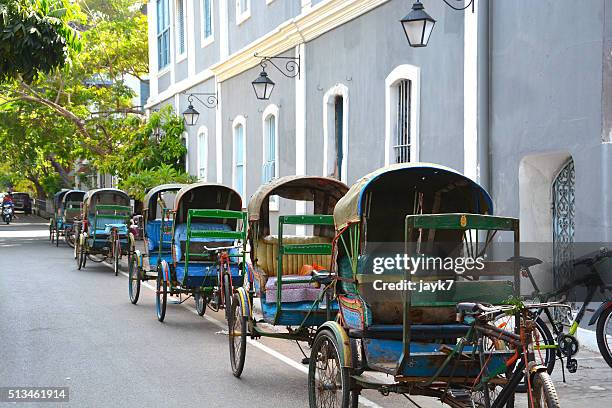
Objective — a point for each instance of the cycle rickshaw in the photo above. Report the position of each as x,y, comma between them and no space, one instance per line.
69,215
104,229
208,244
157,236
285,264
439,343
55,220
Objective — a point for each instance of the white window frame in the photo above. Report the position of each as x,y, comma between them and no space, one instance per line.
240,121
411,73
206,41
180,56
241,17
329,99
202,140
271,110
166,68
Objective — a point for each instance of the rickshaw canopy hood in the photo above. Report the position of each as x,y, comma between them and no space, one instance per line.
59,196
427,177
205,196
105,196
155,191
73,195
323,191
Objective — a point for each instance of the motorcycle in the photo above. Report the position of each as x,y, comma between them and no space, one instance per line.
7,213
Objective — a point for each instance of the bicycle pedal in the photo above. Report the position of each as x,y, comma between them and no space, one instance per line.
572,365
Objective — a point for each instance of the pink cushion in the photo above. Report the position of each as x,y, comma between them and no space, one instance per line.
292,292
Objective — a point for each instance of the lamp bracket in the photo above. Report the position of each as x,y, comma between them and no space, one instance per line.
291,67
459,8
210,100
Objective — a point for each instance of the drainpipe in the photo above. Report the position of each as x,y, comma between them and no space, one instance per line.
483,81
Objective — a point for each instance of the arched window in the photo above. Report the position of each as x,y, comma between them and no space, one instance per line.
335,132
269,169
402,110
202,158
239,156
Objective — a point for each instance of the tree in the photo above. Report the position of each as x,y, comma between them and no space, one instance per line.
35,37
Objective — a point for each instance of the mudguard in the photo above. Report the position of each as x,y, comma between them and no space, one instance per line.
165,270
139,258
346,357
603,307
245,303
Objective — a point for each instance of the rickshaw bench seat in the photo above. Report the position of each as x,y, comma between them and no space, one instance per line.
292,292
153,229
180,236
293,314
267,254
205,273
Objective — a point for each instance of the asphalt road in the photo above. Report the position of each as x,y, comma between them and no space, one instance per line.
64,327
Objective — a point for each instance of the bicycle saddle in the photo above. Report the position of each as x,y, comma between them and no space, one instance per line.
525,261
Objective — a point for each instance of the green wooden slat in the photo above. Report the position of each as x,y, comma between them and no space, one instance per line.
307,219
454,221
216,214
306,249
113,207
113,216
216,234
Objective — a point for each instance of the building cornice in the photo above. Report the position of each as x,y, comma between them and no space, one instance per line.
305,27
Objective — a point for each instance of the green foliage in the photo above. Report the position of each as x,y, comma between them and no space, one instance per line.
136,184
35,37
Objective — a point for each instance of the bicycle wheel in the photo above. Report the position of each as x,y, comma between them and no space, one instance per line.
237,324
604,334
161,296
200,303
227,293
134,280
116,254
545,346
328,382
57,236
544,392
69,237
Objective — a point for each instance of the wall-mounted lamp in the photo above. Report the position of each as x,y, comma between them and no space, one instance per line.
418,25
190,114
263,85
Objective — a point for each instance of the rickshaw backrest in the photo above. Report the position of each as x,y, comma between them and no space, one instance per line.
153,229
267,254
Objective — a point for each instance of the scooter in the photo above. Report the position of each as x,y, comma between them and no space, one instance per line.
7,213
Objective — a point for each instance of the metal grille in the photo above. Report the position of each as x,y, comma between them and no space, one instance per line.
563,223
401,148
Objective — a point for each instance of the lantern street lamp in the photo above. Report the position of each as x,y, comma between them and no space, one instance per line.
263,85
418,25
190,114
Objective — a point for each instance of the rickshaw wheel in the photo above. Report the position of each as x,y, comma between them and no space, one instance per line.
237,324
328,382
544,392
77,253
69,237
116,255
161,295
134,280
51,231
227,294
200,302
57,235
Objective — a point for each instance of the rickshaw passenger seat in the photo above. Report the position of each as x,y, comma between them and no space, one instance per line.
267,254
153,228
